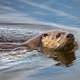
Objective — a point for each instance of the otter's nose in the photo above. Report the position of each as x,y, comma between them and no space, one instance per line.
70,36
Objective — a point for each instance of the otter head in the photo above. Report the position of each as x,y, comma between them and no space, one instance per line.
59,46
58,41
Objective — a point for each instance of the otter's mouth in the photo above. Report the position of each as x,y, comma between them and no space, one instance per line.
65,47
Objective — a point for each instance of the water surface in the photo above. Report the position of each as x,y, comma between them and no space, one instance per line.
20,64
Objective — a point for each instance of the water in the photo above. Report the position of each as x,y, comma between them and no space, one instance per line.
21,64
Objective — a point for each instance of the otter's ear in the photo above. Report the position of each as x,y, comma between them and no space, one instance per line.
33,43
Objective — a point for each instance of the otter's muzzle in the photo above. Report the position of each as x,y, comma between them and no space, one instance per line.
70,36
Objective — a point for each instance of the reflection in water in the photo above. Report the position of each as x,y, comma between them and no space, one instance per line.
62,57
65,58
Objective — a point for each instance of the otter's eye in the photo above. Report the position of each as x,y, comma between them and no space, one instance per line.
58,35
44,35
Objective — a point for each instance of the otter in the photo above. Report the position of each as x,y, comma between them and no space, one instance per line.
58,45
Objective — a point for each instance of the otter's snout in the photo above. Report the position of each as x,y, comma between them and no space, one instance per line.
70,36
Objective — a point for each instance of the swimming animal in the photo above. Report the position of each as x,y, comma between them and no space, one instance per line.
58,45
